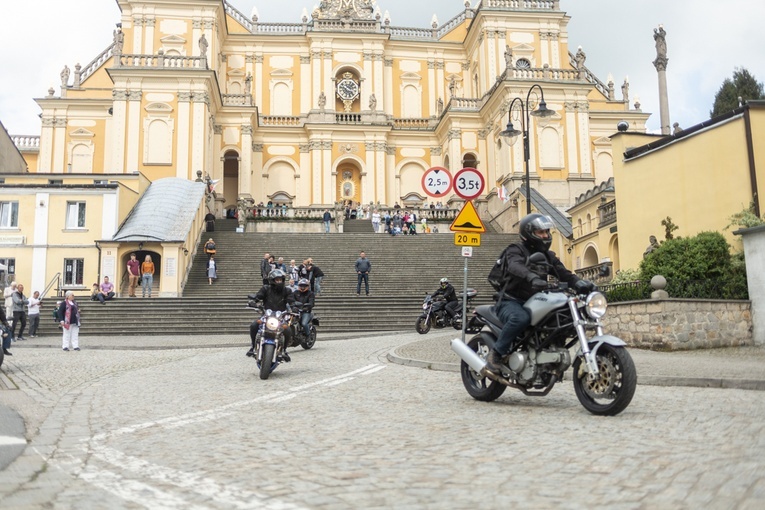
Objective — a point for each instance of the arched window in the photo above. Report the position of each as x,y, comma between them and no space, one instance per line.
469,160
82,159
522,63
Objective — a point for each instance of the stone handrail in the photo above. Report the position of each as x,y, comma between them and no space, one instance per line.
26,142
237,99
413,124
279,213
238,16
537,5
279,28
280,120
356,25
96,63
348,118
465,103
451,24
592,273
607,213
412,32
590,77
161,60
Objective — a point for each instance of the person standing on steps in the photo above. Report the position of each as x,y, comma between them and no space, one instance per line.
134,273
327,219
69,319
147,275
212,269
363,267
265,268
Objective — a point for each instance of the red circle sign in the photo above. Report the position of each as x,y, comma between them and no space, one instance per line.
468,183
437,181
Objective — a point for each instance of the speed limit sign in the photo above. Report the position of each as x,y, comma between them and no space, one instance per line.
468,183
437,181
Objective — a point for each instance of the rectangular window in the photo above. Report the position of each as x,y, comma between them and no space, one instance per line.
9,214
10,264
73,271
75,215
100,182
56,182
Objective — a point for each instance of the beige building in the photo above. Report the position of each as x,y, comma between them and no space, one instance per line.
342,106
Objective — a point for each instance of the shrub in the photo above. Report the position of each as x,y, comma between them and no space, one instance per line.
705,256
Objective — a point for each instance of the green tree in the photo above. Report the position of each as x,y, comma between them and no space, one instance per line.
743,85
705,256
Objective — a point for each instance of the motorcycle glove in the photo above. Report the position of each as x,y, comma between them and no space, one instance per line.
538,285
584,286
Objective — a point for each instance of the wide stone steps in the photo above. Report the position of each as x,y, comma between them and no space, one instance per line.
404,268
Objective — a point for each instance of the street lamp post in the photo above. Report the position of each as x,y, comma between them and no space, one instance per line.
510,134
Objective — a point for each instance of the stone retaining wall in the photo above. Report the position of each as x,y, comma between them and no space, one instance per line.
681,324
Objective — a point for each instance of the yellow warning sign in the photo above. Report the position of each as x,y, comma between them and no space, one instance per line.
467,220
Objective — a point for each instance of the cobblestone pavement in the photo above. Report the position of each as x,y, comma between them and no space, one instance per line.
341,427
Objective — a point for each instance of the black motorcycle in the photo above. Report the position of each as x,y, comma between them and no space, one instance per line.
299,338
434,314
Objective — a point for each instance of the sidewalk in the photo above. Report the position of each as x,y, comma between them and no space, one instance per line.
735,367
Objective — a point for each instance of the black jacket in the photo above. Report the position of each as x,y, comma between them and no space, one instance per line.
448,292
265,268
275,298
306,298
522,275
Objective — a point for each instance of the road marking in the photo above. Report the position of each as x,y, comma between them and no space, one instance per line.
12,441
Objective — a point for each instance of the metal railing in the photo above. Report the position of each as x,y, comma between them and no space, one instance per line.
717,288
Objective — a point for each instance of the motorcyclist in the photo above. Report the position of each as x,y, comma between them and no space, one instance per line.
446,290
525,281
304,296
277,297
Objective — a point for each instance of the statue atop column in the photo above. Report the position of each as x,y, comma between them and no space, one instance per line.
203,45
119,41
65,76
580,58
660,36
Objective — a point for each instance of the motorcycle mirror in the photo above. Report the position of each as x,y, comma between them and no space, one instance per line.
538,258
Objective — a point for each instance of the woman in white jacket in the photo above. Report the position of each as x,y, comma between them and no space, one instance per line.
8,295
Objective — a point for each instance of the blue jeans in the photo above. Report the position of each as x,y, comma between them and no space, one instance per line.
326,227
317,285
515,319
305,321
365,278
146,283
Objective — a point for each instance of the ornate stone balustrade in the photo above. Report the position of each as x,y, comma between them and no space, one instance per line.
26,143
412,124
238,16
237,100
348,118
278,28
412,33
96,63
280,120
592,273
607,214
537,5
279,213
452,24
162,61
464,104
355,25
602,87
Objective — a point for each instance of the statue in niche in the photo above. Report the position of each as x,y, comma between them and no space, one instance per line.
651,247
372,102
660,36
322,100
65,76
119,40
203,44
508,57
452,87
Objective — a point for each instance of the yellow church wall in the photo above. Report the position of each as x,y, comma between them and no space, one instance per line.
699,181
31,159
186,32
234,27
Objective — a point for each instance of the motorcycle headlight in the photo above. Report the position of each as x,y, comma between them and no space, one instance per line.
596,305
272,323
424,306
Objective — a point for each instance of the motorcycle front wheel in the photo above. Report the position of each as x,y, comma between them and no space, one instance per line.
480,387
612,390
310,341
423,324
267,361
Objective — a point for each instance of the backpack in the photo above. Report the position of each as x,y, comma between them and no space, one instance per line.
499,277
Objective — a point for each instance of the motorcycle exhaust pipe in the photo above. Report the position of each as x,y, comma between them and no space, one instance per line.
468,355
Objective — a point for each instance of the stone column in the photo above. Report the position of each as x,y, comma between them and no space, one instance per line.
659,35
754,253
316,80
148,46
59,145
245,165
305,83
198,124
430,105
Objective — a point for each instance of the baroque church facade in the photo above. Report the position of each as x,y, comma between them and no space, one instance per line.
339,106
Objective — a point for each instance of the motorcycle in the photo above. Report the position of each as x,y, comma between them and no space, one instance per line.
434,313
270,337
298,333
603,371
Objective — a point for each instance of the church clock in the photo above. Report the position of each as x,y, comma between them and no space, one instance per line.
347,90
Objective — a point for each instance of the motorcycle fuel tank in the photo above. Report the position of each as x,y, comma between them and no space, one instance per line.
542,303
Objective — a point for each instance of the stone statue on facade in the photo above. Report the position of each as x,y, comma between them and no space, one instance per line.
248,84
322,100
243,206
65,76
203,45
452,87
336,9
580,58
508,57
440,106
660,36
626,91
372,102
651,247
119,41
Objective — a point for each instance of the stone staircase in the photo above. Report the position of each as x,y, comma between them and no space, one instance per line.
404,268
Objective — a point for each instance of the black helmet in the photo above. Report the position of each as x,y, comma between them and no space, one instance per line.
303,284
532,223
276,274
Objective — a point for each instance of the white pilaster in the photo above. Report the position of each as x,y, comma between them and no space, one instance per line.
110,219
571,135
59,145
388,102
137,34
198,134
184,118
585,150
245,166
45,162
133,130
317,88
119,120
431,105
148,47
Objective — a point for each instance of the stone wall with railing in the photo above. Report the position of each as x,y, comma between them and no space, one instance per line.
681,324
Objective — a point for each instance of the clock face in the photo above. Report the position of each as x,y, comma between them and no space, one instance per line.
347,89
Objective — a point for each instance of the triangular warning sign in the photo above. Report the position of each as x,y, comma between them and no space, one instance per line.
467,220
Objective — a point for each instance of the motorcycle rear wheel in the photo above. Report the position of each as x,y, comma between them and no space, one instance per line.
310,341
480,387
612,391
423,324
267,361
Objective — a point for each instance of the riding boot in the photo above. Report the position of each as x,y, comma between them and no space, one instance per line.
494,363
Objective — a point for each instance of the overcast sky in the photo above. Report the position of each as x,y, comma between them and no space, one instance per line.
706,40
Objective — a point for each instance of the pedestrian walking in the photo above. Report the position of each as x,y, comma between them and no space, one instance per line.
363,267
210,248
19,315
134,274
375,220
327,218
317,275
212,269
69,319
33,312
147,275
265,268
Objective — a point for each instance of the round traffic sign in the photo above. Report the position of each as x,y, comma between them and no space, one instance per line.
437,181
468,183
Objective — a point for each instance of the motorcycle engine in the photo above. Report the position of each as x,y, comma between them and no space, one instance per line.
526,365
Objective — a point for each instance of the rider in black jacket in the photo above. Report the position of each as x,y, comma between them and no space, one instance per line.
447,291
305,297
525,281
277,297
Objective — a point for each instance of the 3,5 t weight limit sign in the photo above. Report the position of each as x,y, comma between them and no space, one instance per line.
468,183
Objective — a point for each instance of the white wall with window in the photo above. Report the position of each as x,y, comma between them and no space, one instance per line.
75,215
9,214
